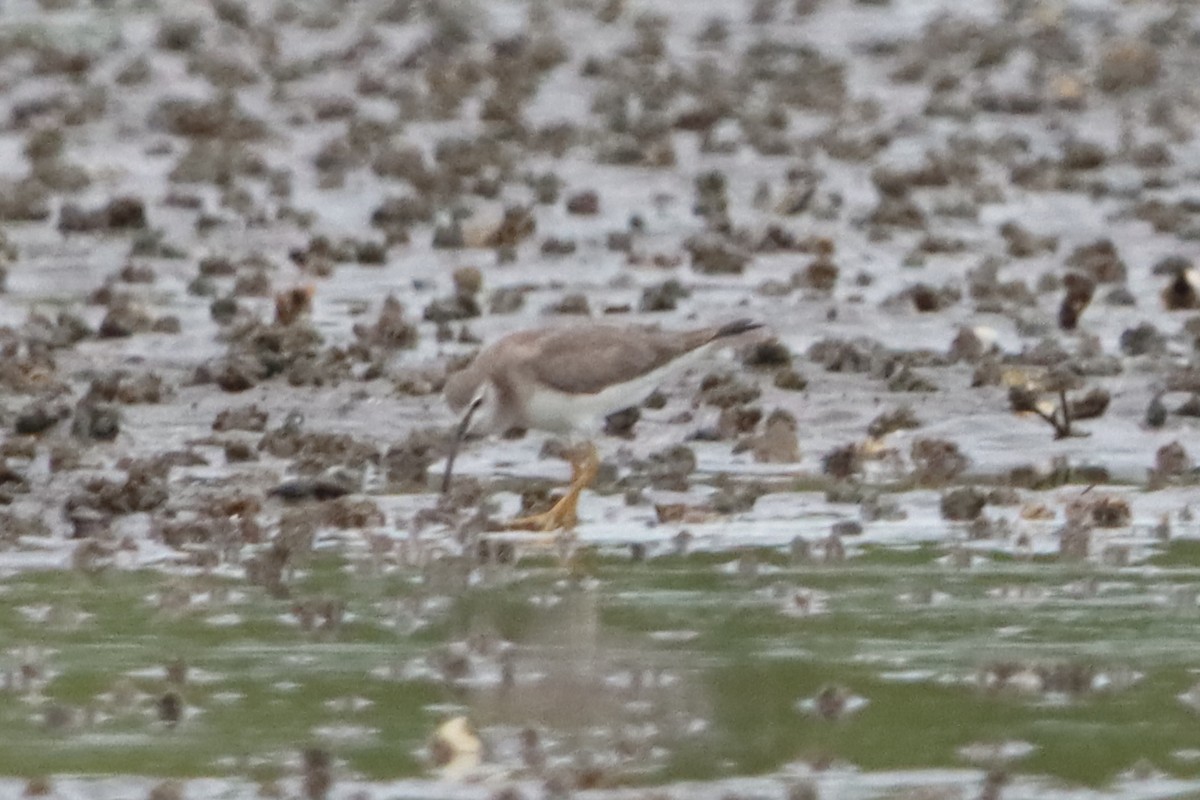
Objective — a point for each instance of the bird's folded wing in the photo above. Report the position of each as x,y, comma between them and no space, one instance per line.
587,359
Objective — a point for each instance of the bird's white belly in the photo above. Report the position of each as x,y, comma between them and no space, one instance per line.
559,412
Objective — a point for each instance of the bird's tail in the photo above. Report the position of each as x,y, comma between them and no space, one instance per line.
736,327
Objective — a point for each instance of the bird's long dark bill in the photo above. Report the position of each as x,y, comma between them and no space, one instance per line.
459,435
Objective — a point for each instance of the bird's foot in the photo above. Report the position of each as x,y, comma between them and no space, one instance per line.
561,516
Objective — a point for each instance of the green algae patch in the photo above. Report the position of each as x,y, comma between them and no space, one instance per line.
891,660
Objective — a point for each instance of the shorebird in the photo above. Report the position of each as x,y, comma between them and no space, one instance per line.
565,380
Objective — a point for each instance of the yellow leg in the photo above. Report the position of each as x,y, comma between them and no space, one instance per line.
562,515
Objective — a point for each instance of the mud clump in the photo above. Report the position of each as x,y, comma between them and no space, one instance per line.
963,504
790,380
232,374
120,386
663,296
39,417
1021,243
737,420
12,483
293,304
840,355
144,489
574,303
1127,65
670,469
315,452
1102,511
259,352
124,318
1183,290
121,213
927,299
319,489
1144,339
243,418
937,461
24,201
906,379
726,391
1091,405
713,254
585,203
408,462
94,420
1080,289
620,423
1098,261
391,330
1172,461
239,452
458,306
768,355
842,462
220,118
820,275
353,514
902,418
467,281
779,442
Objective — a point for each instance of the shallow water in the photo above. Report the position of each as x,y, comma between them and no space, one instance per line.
928,656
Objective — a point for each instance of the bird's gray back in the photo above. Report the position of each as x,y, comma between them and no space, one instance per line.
587,358
574,359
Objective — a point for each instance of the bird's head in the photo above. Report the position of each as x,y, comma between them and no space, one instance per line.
476,403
